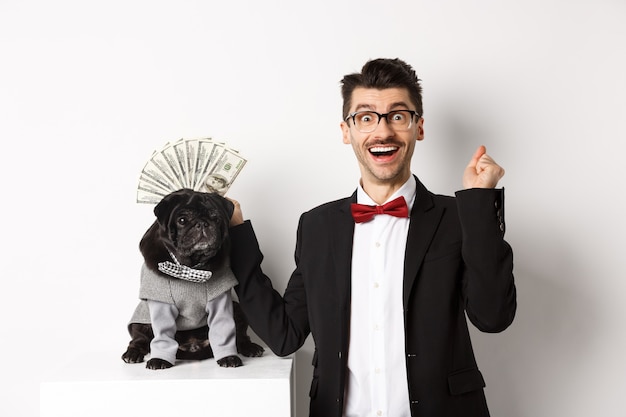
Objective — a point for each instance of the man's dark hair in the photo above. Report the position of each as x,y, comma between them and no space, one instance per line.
380,74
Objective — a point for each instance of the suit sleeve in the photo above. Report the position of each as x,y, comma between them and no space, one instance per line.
488,284
280,321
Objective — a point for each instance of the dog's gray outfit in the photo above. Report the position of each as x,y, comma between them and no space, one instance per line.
171,304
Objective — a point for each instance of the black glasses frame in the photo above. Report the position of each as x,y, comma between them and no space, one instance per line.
380,116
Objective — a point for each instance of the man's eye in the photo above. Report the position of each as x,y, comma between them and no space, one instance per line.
397,117
366,118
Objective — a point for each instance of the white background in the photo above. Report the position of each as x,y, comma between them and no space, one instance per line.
89,89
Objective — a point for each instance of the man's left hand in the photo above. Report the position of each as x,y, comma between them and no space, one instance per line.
482,171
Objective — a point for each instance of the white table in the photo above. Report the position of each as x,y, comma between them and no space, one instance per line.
103,385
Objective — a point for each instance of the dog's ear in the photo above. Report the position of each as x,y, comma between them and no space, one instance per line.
225,205
229,207
164,208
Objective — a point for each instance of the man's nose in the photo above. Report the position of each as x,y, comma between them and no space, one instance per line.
383,128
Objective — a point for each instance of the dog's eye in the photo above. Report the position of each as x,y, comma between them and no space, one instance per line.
182,221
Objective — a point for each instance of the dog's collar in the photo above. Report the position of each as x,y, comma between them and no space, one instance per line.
177,270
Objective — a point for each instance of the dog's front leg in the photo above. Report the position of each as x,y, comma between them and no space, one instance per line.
139,346
164,345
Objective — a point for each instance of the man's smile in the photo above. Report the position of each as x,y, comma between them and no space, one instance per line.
383,151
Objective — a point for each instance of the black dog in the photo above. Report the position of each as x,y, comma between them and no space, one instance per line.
185,287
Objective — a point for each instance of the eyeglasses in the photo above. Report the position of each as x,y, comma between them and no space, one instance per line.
367,121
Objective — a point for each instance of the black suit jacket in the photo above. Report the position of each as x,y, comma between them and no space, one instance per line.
456,264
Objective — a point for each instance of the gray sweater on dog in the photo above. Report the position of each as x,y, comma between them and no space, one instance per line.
190,298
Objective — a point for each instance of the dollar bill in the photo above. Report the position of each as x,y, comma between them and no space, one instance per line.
205,158
223,173
191,150
148,197
180,149
169,155
156,170
200,164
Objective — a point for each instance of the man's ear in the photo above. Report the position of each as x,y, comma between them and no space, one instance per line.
345,132
420,129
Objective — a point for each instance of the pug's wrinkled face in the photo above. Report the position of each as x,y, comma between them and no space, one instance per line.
192,225
196,232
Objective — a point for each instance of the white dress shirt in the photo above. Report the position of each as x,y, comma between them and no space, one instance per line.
377,379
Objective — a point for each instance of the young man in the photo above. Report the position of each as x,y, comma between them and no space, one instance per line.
385,290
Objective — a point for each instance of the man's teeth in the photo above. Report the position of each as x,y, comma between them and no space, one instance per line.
381,149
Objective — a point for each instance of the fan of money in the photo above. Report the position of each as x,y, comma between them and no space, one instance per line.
199,164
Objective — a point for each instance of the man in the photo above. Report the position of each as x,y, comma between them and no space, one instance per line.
385,297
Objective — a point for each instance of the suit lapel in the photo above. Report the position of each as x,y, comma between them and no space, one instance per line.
342,234
425,219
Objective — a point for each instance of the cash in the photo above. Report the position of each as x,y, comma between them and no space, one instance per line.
198,164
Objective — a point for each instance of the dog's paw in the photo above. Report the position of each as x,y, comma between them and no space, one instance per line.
156,363
132,355
232,361
251,350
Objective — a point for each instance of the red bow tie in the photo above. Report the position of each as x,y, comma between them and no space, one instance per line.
364,213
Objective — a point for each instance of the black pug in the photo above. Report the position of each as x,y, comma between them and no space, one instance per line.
186,310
